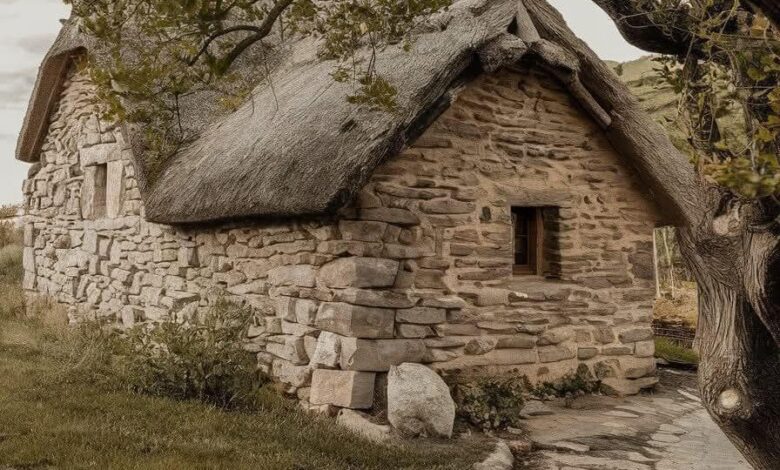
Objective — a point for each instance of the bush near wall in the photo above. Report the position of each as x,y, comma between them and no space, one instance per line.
491,403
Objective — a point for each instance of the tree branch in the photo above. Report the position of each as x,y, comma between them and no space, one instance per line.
639,27
262,31
217,35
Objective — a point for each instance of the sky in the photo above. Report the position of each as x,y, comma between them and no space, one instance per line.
28,27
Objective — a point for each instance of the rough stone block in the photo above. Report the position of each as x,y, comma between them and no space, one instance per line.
346,389
421,315
380,355
366,231
297,275
188,257
518,340
306,311
28,259
359,272
291,374
413,331
636,334
98,154
644,349
604,335
447,206
390,215
296,329
481,345
356,321
555,353
497,357
587,353
374,298
556,336
328,350
291,348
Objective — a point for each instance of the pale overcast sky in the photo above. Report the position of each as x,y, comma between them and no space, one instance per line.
27,28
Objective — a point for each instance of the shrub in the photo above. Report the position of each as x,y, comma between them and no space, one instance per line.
11,272
10,234
491,403
574,384
8,210
202,360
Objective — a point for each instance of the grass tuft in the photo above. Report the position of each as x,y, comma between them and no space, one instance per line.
673,352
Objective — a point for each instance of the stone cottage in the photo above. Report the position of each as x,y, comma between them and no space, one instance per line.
485,227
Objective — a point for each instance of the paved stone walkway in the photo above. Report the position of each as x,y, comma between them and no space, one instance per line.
667,430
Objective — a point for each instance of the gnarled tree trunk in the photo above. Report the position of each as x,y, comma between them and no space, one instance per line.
732,247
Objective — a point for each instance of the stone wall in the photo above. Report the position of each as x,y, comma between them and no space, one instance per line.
417,269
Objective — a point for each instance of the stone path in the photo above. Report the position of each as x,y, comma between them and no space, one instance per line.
668,430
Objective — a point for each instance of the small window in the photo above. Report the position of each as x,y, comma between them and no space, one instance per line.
527,240
99,196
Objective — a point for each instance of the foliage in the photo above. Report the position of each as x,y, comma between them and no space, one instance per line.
8,211
12,302
732,69
574,384
202,359
10,234
491,403
158,53
673,352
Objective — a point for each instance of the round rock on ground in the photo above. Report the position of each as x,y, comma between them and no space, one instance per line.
419,402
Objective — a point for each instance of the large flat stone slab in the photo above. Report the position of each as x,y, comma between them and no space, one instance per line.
343,388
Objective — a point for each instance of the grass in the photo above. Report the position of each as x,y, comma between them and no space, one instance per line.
682,309
673,352
53,418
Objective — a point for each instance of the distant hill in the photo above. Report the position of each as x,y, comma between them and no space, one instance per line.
660,100
656,95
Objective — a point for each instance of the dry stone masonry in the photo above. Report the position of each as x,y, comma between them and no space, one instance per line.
418,269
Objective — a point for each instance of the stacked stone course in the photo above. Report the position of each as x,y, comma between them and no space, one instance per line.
417,269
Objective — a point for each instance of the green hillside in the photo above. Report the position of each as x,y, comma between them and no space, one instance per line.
655,94
660,100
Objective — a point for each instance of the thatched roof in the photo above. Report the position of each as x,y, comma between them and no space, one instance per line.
298,146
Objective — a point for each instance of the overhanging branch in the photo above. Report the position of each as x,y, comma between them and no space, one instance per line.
639,26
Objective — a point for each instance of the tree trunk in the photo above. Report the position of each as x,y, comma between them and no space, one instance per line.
739,372
655,264
731,246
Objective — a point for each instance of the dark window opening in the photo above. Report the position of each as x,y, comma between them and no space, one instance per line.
101,185
527,240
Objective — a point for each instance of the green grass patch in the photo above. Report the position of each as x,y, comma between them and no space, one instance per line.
51,418
673,352
64,405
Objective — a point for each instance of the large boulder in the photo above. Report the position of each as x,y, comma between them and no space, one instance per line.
419,402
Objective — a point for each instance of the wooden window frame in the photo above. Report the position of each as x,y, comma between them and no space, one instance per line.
100,192
535,246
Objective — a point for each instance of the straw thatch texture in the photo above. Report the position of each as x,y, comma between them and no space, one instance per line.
298,146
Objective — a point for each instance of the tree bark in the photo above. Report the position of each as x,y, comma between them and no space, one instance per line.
638,23
732,246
